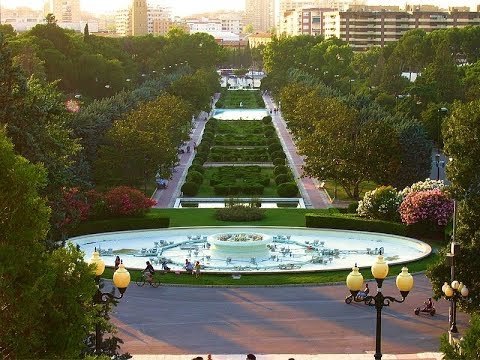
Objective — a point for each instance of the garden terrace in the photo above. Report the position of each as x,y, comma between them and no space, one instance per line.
240,99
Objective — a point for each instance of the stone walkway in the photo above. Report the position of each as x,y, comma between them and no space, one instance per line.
314,198
424,356
165,198
300,320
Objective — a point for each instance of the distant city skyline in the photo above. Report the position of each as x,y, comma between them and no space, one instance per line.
188,7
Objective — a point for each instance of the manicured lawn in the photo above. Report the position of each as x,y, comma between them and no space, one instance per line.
250,99
239,127
205,217
342,195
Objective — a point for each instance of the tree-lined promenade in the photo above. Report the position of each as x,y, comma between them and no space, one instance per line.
87,121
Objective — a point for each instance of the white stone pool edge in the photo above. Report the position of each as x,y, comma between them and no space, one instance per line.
426,249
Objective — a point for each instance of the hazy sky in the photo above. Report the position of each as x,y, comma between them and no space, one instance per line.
185,7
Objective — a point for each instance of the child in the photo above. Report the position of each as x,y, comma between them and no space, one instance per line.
197,269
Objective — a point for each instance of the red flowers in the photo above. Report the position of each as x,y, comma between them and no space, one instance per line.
126,201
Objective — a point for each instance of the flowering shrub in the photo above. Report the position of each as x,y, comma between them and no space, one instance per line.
381,203
432,206
71,208
126,201
428,184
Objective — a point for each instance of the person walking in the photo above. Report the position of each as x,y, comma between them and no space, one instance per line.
117,262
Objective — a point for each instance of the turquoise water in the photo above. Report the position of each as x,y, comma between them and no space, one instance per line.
292,249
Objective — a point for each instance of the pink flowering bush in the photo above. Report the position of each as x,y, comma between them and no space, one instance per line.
429,206
126,201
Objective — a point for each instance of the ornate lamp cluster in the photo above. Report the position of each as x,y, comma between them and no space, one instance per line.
453,292
121,280
379,270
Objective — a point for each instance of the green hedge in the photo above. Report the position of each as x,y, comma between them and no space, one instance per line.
354,223
287,189
190,188
119,224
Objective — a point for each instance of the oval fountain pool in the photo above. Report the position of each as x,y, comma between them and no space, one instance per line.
254,249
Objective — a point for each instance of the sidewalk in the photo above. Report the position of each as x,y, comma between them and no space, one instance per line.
424,356
314,198
165,198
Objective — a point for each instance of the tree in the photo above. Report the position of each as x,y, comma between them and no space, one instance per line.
461,133
13,85
144,142
45,297
7,30
442,75
468,347
340,146
50,19
86,32
48,139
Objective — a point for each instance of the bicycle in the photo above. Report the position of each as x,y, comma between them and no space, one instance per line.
143,280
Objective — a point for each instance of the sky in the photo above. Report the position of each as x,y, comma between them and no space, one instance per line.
179,7
187,7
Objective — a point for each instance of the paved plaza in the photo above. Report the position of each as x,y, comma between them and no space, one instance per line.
300,322
303,320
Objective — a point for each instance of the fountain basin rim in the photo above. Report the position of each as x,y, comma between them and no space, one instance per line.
426,249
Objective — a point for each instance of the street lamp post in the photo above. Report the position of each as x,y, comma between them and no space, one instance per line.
121,279
438,163
454,291
379,269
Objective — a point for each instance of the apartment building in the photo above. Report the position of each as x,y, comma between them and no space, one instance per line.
306,16
141,19
364,29
65,11
204,25
260,14
307,21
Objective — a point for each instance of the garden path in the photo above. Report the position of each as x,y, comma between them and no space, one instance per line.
313,197
165,198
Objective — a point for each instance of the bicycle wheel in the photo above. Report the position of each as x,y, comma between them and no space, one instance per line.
140,281
155,283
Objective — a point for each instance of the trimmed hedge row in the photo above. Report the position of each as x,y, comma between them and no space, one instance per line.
221,154
119,224
240,140
350,222
354,223
240,213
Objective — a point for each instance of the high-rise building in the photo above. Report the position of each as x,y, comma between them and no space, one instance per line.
139,18
260,14
65,11
142,20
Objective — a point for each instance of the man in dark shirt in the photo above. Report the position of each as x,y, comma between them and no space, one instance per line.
148,272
